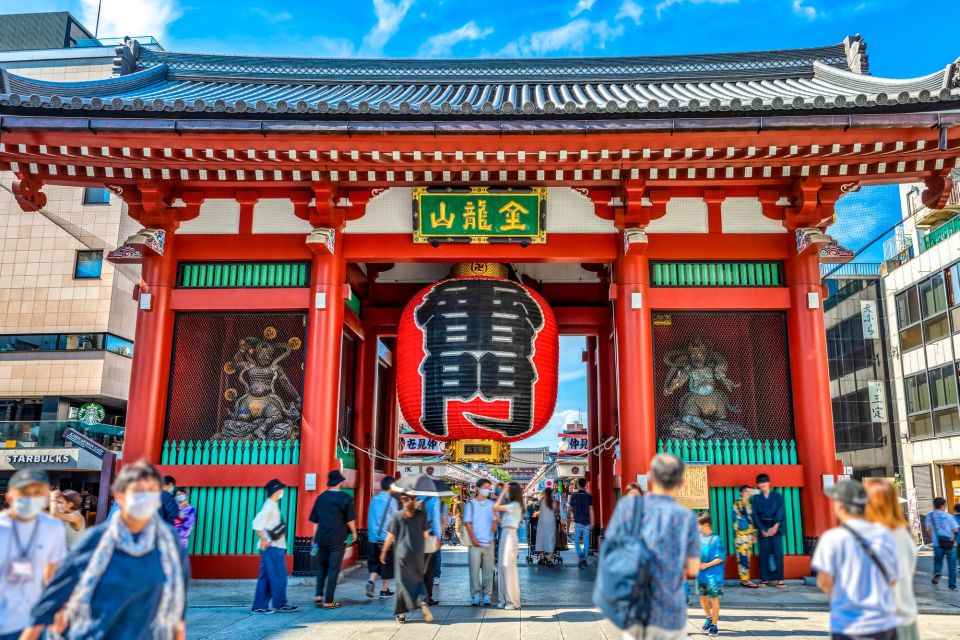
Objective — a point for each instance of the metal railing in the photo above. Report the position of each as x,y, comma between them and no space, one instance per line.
863,269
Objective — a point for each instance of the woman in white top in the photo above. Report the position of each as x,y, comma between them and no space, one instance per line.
546,517
883,507
510,506
65,506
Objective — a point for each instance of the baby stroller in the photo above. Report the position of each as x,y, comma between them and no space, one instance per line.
548,559
447,536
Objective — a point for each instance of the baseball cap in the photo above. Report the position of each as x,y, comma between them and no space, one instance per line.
848,492
27,477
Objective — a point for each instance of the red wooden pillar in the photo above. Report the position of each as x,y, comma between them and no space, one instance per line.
391,446
318,438
365,397
607,391
150,371
811,389
634,335
593,422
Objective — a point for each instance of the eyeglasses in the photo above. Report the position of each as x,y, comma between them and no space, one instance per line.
406,498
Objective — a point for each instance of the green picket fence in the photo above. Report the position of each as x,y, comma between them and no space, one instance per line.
717,274
732,451
216,452
764,452
220,275
225,516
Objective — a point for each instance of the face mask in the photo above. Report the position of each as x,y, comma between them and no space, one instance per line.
143,504
59,507
29,508
181,499
280,497
485,493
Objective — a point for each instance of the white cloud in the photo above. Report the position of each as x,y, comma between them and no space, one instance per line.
804,11
132,18
389,16
630,9
666,4
442,44
272,17
582,5
571,37
326,47
575,374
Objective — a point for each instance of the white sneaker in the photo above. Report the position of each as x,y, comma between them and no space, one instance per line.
510,607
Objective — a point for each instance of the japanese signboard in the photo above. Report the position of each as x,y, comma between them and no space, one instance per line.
417,445
695,492
870,319
479,214
878,401
574,444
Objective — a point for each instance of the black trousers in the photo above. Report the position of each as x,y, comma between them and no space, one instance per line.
329,559
889,634
429,574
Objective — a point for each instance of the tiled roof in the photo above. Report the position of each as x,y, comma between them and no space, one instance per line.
825,79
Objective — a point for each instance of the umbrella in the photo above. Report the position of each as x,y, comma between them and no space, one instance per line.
418,484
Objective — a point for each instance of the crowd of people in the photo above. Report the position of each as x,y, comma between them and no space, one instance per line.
69,579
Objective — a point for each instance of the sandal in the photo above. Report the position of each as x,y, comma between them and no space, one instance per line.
781,585
750,584
332,605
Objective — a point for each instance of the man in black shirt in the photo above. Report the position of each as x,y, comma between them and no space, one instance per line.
581,509
334,515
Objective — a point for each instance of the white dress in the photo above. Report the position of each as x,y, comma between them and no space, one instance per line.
546,530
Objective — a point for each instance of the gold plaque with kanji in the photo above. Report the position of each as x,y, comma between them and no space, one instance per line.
479,214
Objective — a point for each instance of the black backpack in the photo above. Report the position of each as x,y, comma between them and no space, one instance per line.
622,590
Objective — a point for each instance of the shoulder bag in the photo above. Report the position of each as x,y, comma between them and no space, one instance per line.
873,556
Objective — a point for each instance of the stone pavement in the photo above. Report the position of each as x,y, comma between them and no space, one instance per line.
556,606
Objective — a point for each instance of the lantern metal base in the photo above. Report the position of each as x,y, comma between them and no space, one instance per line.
479,451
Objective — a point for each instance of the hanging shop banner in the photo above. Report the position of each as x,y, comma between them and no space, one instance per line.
417,445
477,358
574,444
870,319
878,401
480,214
695,491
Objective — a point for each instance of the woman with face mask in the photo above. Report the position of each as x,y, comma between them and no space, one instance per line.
546,517
65,506
187,517
126,578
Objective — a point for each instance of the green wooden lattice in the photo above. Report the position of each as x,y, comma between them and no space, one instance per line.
229,452
225,516
765,452
717,274
226,275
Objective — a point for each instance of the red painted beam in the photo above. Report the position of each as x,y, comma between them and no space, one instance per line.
560,247
232,475
592,318
724,299
734,475
240,299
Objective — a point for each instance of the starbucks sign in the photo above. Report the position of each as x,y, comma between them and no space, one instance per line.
91,413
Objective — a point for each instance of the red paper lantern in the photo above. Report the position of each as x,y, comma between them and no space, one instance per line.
477,358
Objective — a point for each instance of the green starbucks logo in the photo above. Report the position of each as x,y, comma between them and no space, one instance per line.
91,413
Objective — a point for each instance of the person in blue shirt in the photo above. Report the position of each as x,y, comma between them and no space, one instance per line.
127,578
379,514
710,577
942,530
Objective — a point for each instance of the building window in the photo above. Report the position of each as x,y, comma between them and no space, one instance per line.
96,196
908,319
933,305
953,295
88,265
67,342
917,391
943,396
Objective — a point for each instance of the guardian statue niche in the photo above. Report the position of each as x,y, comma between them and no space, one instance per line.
269,406
703,410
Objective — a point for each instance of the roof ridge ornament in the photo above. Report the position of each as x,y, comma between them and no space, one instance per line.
856,49
127,57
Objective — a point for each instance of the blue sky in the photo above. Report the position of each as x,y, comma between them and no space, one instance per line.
900,45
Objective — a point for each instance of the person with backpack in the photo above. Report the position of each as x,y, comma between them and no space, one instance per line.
651,547
942,530
713,555
857,565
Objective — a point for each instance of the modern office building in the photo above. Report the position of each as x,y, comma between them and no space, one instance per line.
864,419
67,316
922,289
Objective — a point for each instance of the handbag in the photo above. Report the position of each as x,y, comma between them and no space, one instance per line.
278,531
943,542
431,544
